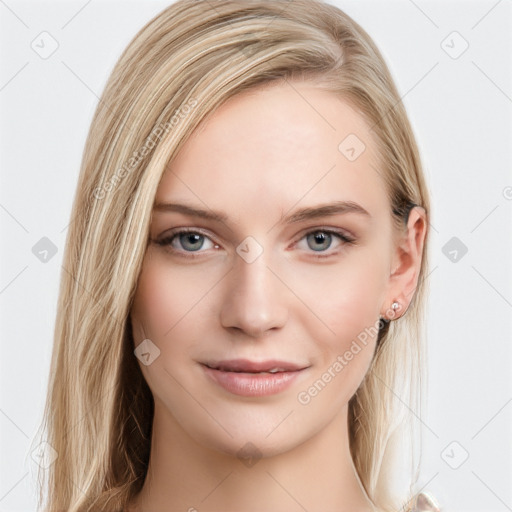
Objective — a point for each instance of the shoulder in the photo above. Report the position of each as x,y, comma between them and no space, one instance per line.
423,502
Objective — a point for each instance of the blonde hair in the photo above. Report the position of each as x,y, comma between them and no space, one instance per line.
177,70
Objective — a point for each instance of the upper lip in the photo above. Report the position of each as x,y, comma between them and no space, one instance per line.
247,366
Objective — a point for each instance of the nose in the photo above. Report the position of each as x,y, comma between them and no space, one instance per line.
254,299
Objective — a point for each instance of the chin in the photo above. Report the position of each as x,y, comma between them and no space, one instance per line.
251,446
255,436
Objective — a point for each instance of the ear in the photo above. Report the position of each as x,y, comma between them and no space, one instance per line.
406,264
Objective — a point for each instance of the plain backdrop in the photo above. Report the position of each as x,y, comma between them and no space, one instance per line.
452,64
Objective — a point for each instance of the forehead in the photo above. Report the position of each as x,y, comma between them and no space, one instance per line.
266,149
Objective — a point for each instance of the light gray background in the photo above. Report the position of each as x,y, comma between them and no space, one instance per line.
461,112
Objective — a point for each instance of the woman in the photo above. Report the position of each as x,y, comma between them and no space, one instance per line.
244,287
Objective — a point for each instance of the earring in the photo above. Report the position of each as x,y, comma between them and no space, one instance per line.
395,306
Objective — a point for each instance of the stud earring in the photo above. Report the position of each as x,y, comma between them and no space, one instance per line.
395,306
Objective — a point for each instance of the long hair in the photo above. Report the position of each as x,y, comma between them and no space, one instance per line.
177,70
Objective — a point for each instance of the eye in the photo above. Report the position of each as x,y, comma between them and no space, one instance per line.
187,241
320,240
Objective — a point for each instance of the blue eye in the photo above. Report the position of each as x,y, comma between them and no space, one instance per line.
186,241
321,240
191,241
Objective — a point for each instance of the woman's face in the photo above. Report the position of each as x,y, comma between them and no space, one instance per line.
285,265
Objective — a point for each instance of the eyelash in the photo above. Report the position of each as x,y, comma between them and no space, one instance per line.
167,240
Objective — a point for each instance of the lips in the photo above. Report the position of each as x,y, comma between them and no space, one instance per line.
252,378
246,366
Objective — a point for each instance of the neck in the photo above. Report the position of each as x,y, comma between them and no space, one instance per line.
185,475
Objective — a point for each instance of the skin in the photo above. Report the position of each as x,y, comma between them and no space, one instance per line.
260,157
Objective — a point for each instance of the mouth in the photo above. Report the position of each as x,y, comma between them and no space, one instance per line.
246,366
251,378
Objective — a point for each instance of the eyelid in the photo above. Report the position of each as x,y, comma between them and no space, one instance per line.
327,229
184,229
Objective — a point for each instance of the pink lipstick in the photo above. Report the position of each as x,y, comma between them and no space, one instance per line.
250,378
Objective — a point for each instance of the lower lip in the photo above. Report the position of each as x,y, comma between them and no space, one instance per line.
252,384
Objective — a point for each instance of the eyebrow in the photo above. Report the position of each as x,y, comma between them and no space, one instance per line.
190,210
335,208
312,212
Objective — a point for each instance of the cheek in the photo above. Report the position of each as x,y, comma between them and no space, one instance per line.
166,296
344,298
167,309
